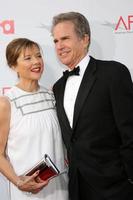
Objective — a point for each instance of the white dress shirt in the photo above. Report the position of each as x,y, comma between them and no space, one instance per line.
72,87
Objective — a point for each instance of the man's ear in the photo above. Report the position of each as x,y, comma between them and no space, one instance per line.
86,39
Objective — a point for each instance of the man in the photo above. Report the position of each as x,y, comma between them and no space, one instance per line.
95,110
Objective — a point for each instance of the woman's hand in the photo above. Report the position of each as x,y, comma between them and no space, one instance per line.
31,183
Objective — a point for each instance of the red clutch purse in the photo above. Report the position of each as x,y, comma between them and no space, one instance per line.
47,169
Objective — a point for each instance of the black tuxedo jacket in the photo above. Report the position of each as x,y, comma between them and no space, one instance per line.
100,144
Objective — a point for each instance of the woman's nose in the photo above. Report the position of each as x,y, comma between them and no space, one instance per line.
35,60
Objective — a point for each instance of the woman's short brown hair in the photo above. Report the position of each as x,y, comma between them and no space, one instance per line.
15,48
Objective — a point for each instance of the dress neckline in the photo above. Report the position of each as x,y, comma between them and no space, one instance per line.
27,92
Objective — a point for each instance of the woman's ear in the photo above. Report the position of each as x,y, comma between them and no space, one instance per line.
14,68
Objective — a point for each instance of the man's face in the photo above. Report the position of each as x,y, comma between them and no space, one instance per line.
70,48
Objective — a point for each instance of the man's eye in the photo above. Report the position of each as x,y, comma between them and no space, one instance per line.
55,41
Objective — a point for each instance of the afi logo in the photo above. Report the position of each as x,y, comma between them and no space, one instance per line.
124,23
7,26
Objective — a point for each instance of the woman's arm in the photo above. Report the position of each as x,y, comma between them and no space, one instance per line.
5,166
25,183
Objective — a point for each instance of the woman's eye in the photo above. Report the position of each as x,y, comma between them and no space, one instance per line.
27,58
39,56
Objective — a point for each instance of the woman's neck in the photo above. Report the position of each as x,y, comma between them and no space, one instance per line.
28,87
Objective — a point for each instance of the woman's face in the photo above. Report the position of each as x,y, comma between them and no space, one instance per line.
29,64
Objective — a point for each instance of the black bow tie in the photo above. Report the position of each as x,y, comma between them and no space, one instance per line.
68,73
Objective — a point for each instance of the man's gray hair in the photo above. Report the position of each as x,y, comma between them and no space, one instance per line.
81,24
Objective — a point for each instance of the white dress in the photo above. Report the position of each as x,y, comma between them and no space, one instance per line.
34,131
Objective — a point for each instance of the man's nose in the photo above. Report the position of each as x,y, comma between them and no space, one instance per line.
60,45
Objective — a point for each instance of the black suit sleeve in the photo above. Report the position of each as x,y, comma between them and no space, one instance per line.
122,104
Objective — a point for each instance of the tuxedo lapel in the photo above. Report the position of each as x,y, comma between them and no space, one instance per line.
85,87
60,100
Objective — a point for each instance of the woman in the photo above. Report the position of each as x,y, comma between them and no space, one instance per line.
29,127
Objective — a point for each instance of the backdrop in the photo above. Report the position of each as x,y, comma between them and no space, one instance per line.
111,27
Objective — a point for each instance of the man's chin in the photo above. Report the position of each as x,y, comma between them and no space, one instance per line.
64,62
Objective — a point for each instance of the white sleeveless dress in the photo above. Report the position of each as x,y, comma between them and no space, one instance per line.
34,131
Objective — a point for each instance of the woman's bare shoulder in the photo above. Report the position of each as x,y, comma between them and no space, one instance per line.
4,103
